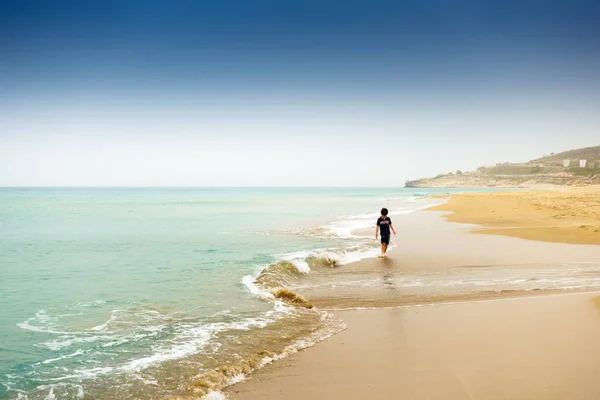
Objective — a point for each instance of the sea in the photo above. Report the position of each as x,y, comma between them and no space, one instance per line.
158,293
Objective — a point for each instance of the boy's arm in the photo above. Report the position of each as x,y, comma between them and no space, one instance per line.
376,231
392,228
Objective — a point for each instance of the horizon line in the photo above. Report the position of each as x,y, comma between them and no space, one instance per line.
200,187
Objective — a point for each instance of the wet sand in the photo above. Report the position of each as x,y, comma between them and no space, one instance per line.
453,315
528,348
439,261
565,216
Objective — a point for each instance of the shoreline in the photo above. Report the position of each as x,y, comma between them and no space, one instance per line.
509,348
431,263
463,266
465,250
591,292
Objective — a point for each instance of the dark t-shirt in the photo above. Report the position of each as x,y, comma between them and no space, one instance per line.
384,226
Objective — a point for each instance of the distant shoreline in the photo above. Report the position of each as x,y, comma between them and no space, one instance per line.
580,167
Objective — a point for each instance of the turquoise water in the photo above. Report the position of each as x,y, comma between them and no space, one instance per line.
101,283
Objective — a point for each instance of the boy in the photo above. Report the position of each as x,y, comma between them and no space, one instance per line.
385,224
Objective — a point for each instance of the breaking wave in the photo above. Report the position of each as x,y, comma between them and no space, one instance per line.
208,353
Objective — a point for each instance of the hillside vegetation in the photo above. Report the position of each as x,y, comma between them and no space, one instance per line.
546,171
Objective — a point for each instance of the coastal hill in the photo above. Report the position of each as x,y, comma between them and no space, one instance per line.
553,170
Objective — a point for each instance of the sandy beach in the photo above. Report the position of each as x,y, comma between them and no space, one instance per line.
532,348
565,216
457,315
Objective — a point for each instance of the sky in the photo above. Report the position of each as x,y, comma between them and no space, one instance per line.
290,93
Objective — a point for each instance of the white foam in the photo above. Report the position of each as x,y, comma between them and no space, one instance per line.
298,258
41,322
92,304
51,360
194,337
214,395
58,344
199,338
81,374
294,347
302,266
237,379
152,331
104,325
189,339
358,255
363,249
248,281
347,225
146,381
50,395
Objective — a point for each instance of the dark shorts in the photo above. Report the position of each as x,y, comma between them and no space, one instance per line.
385,239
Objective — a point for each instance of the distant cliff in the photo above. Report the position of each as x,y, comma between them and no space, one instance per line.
547,171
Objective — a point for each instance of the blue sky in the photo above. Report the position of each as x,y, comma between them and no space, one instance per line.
290,93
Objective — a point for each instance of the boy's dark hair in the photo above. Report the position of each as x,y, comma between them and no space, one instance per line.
384,211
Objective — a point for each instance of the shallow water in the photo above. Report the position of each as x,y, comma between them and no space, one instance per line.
140,293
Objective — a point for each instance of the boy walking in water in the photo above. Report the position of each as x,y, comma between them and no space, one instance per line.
384,224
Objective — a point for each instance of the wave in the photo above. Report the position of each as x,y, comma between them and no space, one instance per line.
346,226
46,323
283,273
295,267
273,283
229,350
291,324
208,386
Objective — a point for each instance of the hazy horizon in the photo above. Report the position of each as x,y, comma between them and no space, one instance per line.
307,94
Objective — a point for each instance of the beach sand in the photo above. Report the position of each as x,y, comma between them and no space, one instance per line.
437,261
567,216
532,348
455,315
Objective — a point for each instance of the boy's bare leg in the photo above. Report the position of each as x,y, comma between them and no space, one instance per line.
384,249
